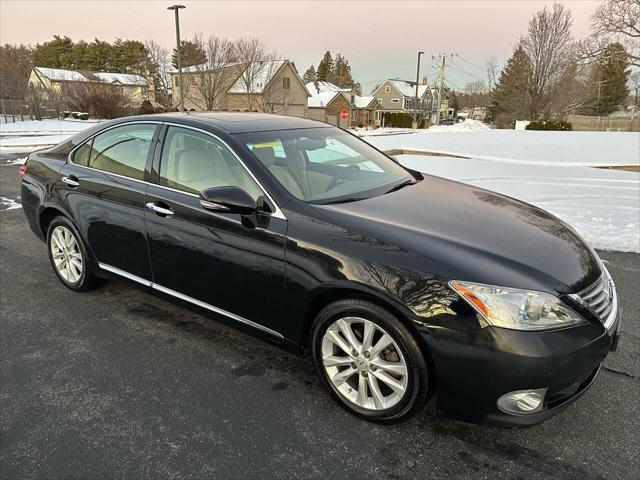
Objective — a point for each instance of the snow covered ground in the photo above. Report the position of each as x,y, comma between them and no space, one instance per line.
521,146
24,136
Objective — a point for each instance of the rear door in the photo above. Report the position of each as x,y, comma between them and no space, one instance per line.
104,187
220,261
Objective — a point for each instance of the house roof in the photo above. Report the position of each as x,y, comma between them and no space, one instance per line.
265,71
408,89
322,99
59,74
363,102
315,87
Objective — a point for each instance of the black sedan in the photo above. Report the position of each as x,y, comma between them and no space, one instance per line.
402,287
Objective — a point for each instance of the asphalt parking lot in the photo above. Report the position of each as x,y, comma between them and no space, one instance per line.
119,383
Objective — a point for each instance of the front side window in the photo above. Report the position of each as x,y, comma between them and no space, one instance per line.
323,165
395,100
286,83
121,150
387,88
193,161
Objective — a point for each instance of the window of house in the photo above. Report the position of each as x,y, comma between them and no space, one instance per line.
407,102
395,100
387,88
122,150
354,115
193,161
286,83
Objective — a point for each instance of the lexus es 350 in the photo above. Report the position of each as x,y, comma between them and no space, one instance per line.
402,287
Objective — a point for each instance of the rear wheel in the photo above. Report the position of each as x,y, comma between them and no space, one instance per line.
68,255
369,361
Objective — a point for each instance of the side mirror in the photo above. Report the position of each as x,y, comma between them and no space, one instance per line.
228,200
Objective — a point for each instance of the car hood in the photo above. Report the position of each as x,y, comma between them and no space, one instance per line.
468,233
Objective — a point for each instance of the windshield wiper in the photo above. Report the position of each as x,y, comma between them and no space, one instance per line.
344,200
401,185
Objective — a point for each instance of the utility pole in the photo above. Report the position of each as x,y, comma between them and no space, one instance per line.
443,57
415,100
175,8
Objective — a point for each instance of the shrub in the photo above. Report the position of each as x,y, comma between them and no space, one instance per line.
146,107
558,125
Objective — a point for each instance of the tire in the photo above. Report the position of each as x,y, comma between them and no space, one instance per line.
398,395
71,263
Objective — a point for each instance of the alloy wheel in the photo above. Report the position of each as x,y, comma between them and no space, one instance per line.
364,363
66,254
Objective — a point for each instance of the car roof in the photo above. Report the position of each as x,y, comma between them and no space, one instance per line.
236,122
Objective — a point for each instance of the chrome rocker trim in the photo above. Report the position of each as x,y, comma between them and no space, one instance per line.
186,298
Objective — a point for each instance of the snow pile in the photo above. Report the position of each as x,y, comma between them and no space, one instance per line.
8,204
602,205
469,125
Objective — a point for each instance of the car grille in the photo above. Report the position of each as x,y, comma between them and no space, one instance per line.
599,297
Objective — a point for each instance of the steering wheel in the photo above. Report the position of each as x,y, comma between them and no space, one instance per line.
347,172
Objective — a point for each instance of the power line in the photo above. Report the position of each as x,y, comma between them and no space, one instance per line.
470,63
461,70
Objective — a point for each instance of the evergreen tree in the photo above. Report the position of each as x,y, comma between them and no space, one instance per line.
16,62
310,75
190,54
609,76
325,68
129,56
342,72
57,53
98,56
511,95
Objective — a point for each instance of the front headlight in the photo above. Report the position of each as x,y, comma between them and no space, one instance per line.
517,309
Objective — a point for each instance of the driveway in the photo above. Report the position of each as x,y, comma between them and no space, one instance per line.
119,383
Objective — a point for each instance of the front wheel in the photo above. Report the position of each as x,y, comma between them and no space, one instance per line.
68,255
369,361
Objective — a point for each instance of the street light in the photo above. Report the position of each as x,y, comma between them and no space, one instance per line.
176,8
415,101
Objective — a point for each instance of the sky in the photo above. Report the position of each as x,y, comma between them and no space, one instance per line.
380,38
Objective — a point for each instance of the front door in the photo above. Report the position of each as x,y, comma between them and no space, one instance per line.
220,261
104,187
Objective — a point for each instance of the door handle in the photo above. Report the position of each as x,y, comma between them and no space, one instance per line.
71,181
159,209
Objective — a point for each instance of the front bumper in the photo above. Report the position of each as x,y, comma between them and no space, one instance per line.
473,369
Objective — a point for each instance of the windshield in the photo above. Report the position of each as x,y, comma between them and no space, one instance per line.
324,165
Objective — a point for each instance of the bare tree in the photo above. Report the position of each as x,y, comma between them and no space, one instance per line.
254,55
548,44
160,60
493,70
207,83
614,21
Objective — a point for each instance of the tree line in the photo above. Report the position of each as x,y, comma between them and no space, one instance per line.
551,75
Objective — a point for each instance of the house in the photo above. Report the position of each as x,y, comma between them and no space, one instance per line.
398,96
327,100
53,82
366,111
271,86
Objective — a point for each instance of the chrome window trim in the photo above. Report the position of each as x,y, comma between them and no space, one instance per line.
277,214
189,299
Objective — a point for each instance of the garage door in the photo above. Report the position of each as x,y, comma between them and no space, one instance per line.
332,119
295,111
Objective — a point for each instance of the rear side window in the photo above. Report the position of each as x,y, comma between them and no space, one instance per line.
122,150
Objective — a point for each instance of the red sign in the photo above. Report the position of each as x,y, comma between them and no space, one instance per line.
344,114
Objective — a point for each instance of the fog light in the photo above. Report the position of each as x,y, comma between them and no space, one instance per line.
522,402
